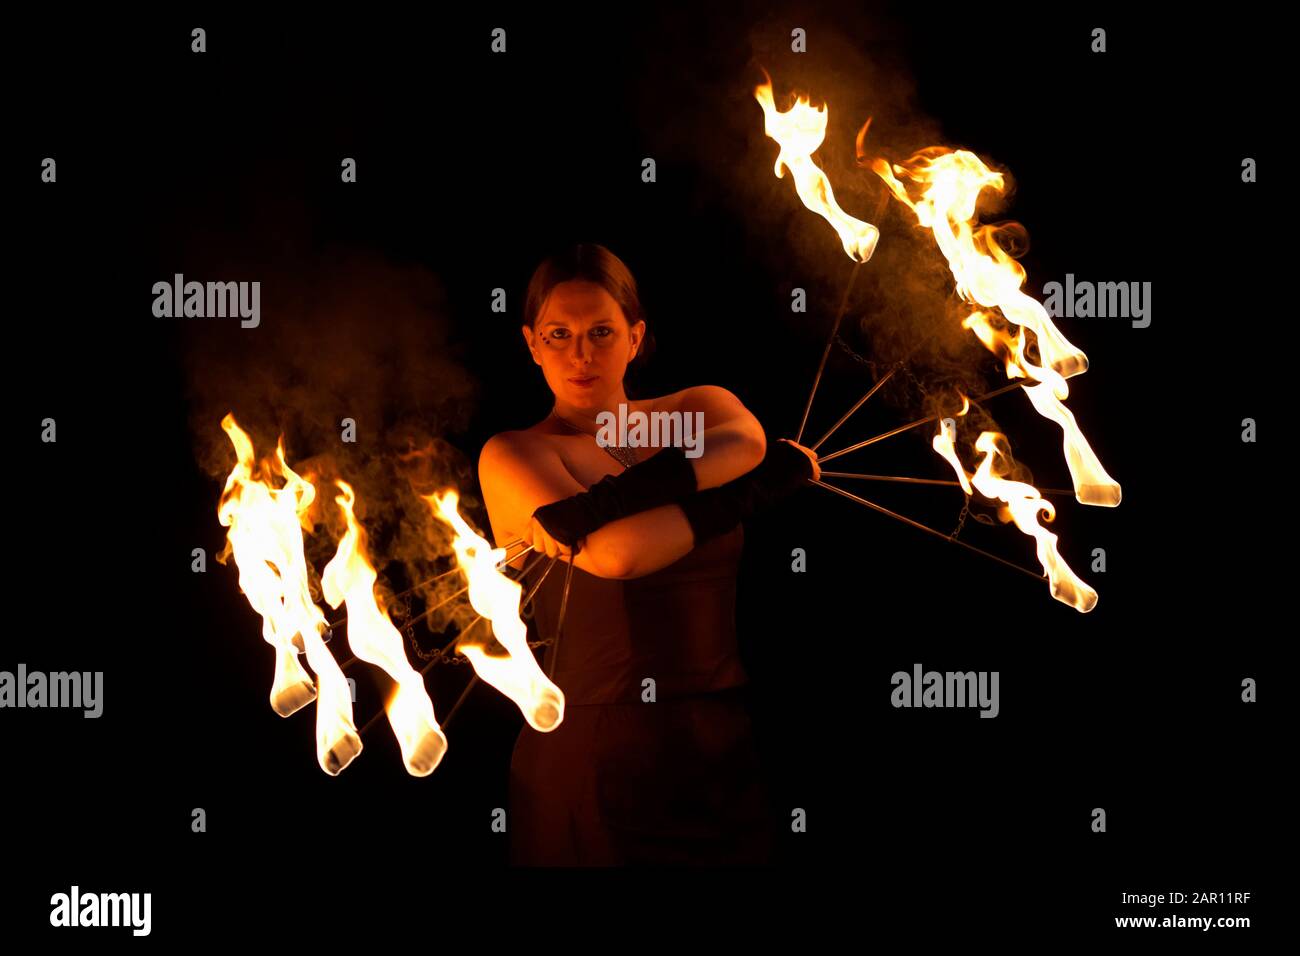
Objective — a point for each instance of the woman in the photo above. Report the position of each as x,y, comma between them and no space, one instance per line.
654,761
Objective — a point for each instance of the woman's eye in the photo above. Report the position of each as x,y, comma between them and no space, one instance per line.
560,334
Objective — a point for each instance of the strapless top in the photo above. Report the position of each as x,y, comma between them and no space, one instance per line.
676,626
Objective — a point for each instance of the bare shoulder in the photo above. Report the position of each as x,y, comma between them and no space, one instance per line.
702,398
505,449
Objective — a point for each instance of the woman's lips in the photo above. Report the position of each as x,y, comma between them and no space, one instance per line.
584,382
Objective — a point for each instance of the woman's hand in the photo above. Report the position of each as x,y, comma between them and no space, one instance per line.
543,543
812,456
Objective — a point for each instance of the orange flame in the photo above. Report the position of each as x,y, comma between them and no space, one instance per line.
799,131
496,597
945,444
859,142
1024,504
349,577
265,537
948,184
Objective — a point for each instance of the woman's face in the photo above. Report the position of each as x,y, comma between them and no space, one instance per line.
583,343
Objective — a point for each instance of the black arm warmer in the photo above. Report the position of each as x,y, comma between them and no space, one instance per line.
659,480
716,511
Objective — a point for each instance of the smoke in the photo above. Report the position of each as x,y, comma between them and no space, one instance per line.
350,346
903,307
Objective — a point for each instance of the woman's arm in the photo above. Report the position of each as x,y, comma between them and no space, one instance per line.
649,540
732,442
641,543
519,474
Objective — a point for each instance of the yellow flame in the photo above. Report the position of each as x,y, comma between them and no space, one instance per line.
947,185
799,131
265,537
349,578
945,444
496,597
1025,504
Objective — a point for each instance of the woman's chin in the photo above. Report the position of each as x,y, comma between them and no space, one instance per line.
592,398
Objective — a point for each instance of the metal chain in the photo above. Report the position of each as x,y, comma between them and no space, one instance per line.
400,611
907,370
916,381
409,631
875,369
961,518
839,340
437,657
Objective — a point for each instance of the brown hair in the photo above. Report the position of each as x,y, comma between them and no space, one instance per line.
592,263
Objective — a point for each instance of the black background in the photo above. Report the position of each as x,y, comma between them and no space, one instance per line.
471,167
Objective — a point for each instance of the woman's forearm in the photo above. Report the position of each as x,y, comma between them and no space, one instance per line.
638,544
728,451
643,543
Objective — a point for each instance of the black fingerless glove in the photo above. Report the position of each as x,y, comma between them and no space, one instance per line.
716,511
659,480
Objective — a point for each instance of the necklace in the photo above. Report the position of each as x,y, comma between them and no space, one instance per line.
624,456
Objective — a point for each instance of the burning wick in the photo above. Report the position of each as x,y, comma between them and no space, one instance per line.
266,539
496,597
350,577
799,131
